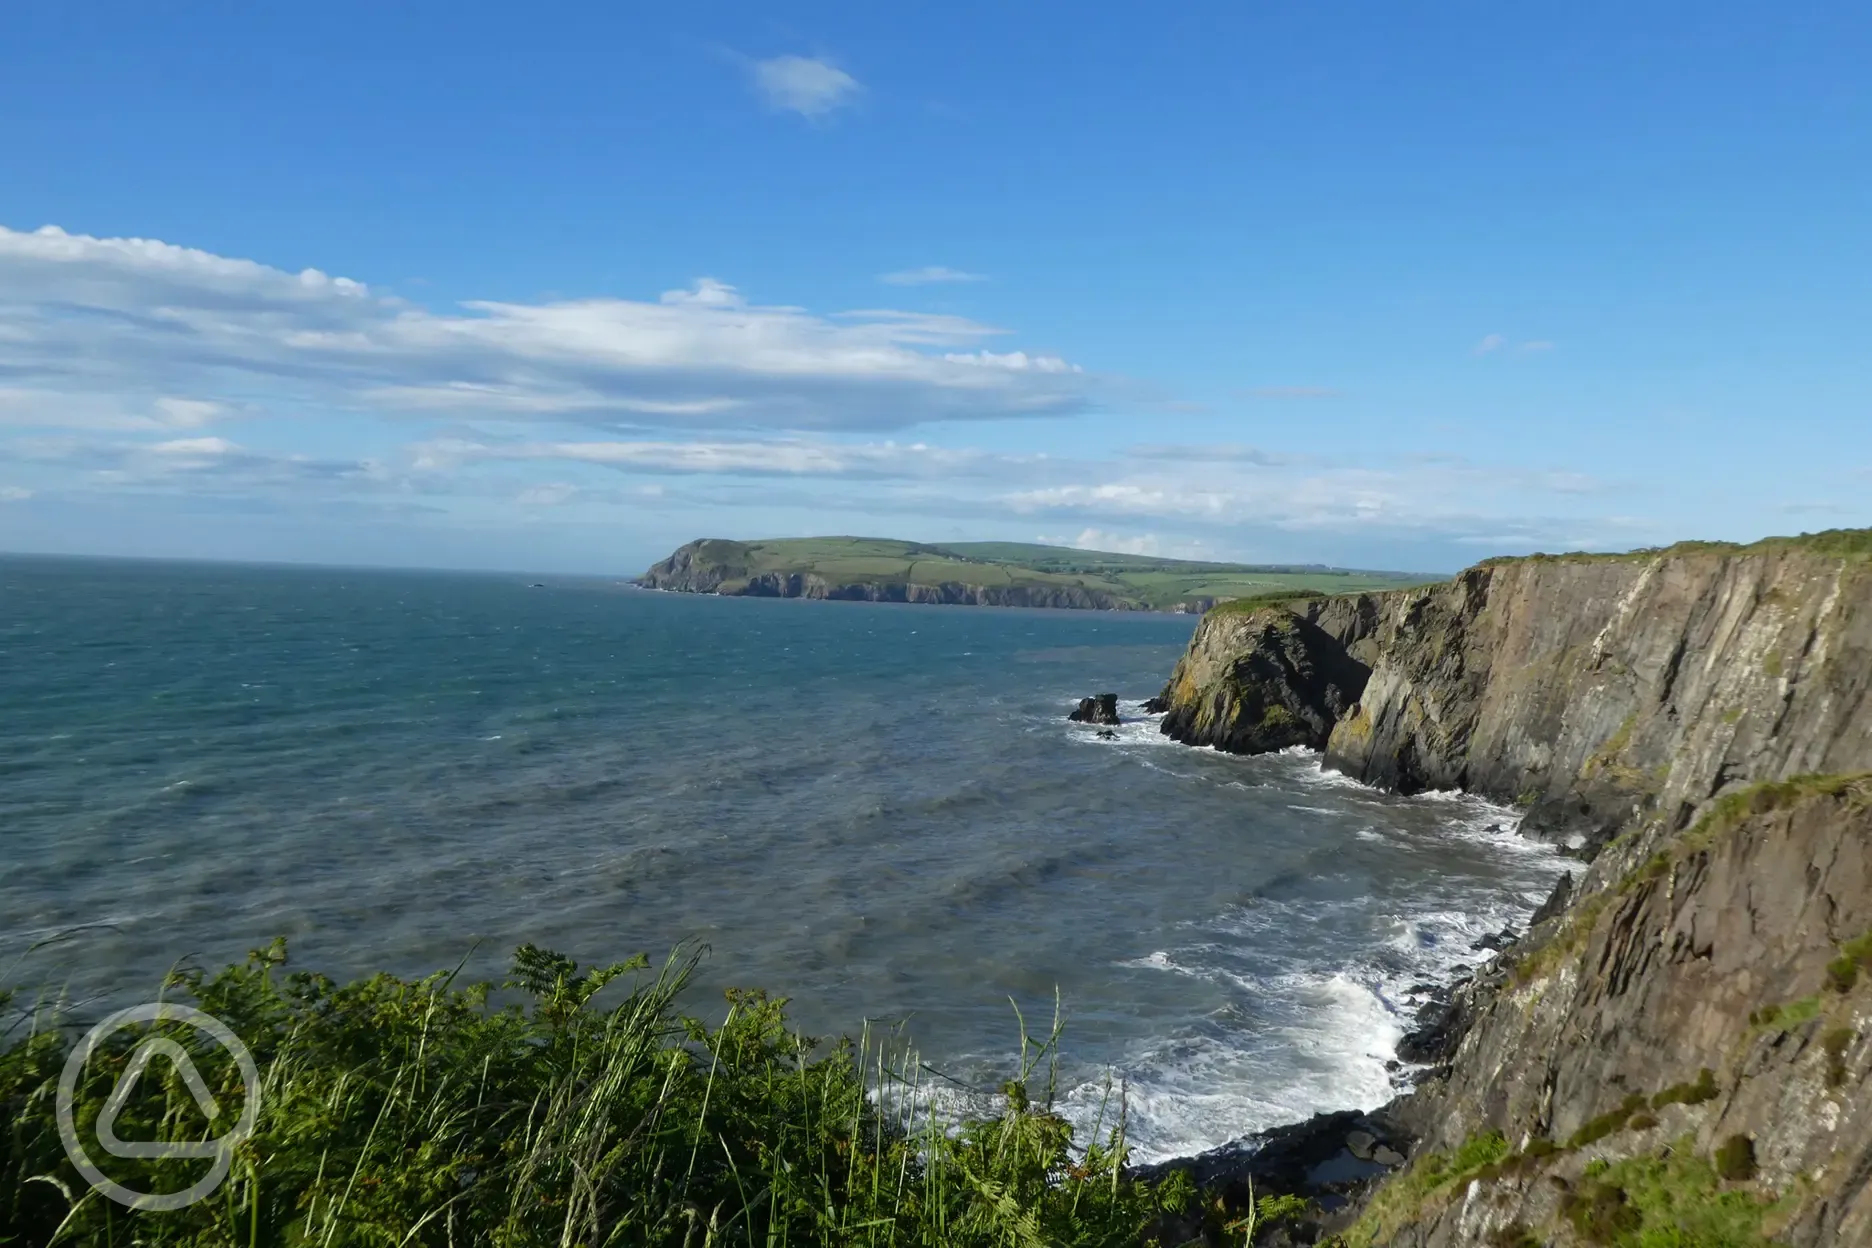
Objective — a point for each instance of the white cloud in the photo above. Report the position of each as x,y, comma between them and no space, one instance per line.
1497,342
552,494
1113,543
1211,453
190,462
47,408
1110,541
1429,498
928,275
194,447
188,413
1180,486
14,493
108,332
809,86
775,458
1013,361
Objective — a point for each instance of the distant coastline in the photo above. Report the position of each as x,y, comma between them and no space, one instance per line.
992,574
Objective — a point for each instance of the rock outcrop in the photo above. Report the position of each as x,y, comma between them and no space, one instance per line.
1261,680
1098,709
1679,1046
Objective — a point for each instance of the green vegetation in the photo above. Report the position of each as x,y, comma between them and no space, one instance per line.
1596,1129
1136,580
1704,1089
1855,955
1735,1159
1670,1199
1731,810
399,1112
1667,1199
1787,1016
1840,543
1403,1198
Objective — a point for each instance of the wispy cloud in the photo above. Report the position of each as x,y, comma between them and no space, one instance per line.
789,457
94,327
14,493
1207,453
1223,488
1122,543
929,275
810,86
550,494
1493,343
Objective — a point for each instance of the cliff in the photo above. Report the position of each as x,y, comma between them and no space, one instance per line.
1684,1049
1677,1047
1594,689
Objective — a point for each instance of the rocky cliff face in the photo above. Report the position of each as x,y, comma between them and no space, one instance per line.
1678,1047
1685,1048
1596,690
1259,681
708,567
1600,690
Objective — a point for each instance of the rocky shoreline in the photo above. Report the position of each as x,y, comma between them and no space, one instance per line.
1683,1036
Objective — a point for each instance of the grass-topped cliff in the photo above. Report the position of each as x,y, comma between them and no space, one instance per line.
987,574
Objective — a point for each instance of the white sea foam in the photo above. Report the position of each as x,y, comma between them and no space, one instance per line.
1325,1038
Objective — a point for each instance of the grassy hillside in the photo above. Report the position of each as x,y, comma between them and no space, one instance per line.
1154,582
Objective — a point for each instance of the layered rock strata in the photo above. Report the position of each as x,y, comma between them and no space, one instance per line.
1679,1045
1594,690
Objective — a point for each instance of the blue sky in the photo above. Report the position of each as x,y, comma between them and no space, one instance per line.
558,287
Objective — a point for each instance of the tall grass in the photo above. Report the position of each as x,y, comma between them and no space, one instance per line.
568,1107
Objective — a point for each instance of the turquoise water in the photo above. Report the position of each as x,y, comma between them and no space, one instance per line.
879,811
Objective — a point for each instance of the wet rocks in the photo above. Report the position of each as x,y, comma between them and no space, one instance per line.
1495,942
1330,1159
1556,902
1442,1022
1099,709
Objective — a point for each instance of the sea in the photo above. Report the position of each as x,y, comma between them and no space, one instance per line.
878,811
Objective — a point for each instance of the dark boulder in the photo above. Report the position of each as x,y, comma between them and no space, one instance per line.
1261,681
1495,942
1330,1159
1102,709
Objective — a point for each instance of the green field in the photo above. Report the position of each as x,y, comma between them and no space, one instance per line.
1161,584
